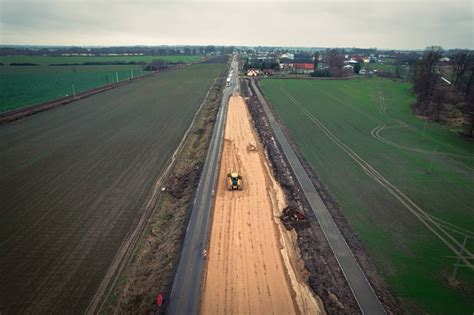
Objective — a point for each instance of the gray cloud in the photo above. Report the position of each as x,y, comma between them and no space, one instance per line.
383,24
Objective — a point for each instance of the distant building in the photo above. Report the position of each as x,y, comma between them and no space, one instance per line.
304,67
287,56
268,72
286,63
357,58
252,73
303,58
373,59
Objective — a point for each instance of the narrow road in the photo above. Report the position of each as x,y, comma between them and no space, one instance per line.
360,286
185,294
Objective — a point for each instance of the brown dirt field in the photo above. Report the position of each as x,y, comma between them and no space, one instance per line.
253,266
75,179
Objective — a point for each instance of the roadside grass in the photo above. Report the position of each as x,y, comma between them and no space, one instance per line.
48,60
413,261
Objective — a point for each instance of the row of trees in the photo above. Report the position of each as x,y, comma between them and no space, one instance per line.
435,95
150,51
333,62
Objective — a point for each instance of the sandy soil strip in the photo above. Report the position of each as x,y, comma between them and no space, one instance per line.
253,266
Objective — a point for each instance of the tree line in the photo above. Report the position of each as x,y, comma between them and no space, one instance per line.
96,51
442,88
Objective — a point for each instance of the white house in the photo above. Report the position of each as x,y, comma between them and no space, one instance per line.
252,73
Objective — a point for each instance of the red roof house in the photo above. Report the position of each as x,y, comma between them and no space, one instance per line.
304,67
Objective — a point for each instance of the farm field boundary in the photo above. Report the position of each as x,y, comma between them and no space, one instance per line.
79,60
23,112
26,111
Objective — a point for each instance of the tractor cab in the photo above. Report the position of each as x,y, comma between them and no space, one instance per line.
234,181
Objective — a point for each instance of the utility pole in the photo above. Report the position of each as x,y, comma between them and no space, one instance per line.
431,161
456,266
423,134
74,91
116,76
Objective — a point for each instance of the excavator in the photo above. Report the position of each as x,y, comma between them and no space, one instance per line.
234,181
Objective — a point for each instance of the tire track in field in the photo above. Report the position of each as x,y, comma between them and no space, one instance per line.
375,133
436,225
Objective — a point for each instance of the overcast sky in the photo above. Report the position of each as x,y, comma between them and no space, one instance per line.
403,24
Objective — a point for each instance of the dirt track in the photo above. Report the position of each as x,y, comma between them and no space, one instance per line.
252,259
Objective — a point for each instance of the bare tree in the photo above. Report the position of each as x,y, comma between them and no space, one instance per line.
398,67
439,97
463,79
335,62
157,64
316,60
460,61
426,77
469,94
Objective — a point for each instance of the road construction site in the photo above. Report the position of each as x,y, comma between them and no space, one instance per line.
253,262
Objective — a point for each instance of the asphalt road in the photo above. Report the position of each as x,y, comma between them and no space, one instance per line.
185,294
360,286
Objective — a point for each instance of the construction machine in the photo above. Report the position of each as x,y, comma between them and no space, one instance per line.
234,181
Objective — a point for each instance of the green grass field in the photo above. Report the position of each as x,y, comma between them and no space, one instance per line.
387,67
28,85
48,60
379,66
339,126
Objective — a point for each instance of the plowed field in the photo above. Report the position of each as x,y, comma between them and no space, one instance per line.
75,178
